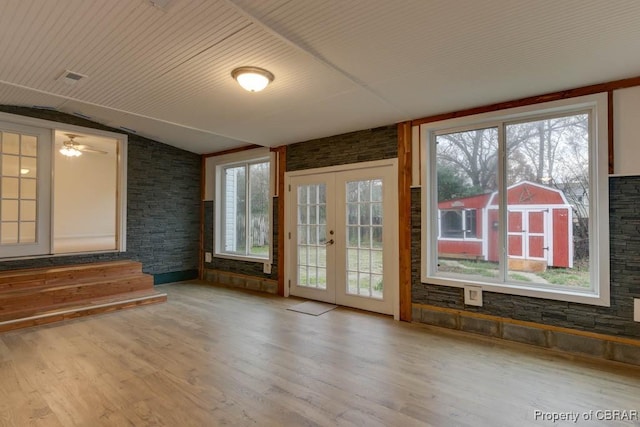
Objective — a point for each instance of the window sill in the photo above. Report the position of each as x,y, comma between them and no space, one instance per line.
243,258
526,291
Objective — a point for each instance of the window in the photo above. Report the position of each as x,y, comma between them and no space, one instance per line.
458,224
244,226
517,201
86,219
51,204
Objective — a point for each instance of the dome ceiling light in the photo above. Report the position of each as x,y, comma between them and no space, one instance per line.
253,79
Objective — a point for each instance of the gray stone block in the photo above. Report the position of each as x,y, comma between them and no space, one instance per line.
480,326
253,284
524,334
439,318
416,314
269,287
578,344
625,353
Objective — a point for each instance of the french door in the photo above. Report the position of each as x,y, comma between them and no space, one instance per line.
342,241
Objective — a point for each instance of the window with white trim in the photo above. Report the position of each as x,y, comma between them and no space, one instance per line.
516,201
244,213
458,224
52,203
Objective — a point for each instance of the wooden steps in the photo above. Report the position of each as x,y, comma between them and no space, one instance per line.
43,295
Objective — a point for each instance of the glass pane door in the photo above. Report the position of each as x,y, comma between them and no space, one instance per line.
339,222
312,273
363,233
312,230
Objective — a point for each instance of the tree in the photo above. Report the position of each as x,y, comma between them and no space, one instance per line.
453,185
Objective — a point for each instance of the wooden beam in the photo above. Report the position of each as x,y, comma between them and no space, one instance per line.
203,177
610,129
554,96
404,218
281,167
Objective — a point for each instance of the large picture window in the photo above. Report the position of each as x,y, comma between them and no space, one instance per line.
244,223
517,201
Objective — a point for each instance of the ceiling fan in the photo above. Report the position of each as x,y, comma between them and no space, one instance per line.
71,148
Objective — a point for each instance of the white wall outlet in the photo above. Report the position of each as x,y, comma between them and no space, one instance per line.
636,309
266,268
473,295
207,257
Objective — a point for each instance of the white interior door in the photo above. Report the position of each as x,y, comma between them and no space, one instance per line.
343,245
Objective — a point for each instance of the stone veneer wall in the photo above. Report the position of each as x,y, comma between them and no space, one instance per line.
355,147
163,206
617,320
247,268
361,146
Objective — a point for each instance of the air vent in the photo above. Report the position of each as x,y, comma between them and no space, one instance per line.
71,77
126,129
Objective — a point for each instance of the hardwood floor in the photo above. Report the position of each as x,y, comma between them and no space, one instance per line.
214,356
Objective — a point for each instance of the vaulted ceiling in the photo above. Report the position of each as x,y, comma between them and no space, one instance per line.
163,67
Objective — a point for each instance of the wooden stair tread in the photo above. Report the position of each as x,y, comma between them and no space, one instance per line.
65,268
11,292
40,277
80,305
43,295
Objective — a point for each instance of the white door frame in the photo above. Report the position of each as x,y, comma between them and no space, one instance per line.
391,244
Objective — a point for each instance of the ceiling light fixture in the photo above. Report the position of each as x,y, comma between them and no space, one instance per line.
253,79
70,151
70,148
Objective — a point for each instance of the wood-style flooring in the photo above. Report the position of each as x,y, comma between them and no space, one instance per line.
213,356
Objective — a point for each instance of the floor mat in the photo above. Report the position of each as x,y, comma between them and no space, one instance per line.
313,308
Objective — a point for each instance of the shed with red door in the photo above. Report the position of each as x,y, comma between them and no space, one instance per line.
539,226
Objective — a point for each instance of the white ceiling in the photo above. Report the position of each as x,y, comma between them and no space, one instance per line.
340,65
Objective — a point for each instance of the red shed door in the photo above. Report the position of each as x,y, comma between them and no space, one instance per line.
515,231
536,235
527,234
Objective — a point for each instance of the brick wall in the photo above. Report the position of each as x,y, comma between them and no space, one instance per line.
624,220
163,206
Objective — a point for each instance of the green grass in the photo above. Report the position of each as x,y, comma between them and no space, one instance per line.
475,268
519,277
260,250
566,277
368,263
569,277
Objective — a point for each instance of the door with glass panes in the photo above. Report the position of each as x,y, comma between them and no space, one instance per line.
342,240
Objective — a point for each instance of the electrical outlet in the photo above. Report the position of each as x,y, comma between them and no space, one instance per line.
266,268
636,309
473,295
207,257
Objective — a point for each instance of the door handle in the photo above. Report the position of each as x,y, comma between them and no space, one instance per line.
330,242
